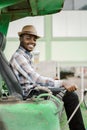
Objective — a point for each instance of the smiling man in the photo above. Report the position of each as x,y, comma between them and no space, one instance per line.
21,62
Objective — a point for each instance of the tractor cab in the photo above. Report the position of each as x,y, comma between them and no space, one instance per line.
16,111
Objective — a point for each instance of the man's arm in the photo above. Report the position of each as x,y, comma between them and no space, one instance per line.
41,80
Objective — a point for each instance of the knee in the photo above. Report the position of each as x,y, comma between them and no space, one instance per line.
70,97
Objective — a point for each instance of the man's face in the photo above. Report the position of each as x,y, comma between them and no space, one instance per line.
28,41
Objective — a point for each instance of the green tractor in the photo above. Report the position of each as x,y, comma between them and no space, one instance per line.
16,112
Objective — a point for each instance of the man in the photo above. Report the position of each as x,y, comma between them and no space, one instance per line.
28,78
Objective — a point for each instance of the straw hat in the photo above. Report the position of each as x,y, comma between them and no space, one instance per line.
29,29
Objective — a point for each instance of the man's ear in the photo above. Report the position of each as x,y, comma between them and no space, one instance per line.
20,38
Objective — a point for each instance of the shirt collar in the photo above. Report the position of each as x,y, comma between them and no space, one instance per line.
25,51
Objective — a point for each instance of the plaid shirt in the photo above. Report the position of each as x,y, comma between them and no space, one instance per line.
21,63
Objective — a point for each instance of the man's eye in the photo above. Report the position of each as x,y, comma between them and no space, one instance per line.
34,45
27,38
35,39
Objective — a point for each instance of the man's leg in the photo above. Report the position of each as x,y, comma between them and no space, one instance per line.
70,103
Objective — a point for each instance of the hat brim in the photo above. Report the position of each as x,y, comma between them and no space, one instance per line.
30,33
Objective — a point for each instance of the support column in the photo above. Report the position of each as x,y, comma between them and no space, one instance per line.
48,36
4,23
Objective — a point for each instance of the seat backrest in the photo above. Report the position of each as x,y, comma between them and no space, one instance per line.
6,71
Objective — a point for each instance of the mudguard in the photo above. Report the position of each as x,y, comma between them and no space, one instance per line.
38,114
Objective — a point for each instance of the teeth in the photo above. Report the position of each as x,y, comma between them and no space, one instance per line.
31,46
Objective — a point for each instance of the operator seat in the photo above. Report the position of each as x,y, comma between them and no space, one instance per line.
6,72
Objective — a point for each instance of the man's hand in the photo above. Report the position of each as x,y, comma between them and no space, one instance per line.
56,78
69,86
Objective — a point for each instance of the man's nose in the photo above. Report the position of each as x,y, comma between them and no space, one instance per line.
33,42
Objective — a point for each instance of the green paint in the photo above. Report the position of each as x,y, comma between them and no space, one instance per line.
34,7
6,3
30,115
33,4
4,23
49,6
